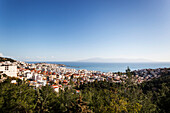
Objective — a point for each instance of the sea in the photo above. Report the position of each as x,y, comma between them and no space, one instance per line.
111,67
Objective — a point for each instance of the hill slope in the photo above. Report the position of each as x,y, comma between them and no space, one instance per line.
3,59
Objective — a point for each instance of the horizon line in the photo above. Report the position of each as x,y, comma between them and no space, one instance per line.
100,62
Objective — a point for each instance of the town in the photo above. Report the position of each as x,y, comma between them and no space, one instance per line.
59,77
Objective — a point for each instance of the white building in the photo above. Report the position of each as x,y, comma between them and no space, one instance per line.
56,88
13,81
9,70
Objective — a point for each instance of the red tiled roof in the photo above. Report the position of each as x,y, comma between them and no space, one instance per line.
77,91
56,87
65,81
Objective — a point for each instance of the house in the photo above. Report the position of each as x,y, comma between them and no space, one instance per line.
9,69
13,82
77,91
28,74
56,88
65,82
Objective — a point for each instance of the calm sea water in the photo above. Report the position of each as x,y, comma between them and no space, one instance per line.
111,67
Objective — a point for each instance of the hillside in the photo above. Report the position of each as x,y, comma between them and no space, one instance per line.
98,97
3,59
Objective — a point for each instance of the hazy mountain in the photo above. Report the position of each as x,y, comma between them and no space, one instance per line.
107,60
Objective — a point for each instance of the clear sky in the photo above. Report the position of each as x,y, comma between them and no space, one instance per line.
69,30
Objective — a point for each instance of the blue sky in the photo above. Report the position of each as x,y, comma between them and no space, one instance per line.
69,30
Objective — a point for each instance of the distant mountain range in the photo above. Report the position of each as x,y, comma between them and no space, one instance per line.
112,60
97,59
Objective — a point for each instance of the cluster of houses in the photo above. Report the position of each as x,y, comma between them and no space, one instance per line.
59,77
149,74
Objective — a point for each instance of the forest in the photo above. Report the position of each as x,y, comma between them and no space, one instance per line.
99,97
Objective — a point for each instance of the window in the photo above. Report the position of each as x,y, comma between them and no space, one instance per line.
6,67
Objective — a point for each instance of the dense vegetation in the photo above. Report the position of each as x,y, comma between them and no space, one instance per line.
152,96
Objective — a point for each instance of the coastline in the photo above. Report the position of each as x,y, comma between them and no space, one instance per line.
111,67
